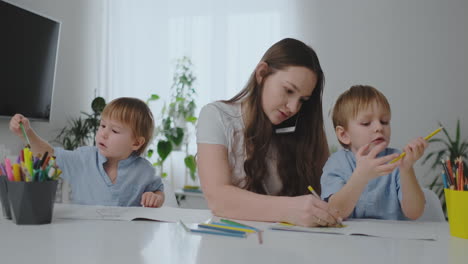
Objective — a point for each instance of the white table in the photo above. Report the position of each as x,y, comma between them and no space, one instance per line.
99,241
192,200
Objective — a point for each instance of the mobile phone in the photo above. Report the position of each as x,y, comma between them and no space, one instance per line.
287,126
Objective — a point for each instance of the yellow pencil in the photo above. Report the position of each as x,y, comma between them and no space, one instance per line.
313,191
340,223
426,138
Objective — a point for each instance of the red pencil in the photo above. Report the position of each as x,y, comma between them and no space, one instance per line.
449,168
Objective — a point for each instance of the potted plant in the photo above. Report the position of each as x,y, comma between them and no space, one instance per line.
81,131
452,148
172,130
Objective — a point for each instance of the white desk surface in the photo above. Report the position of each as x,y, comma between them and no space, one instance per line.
100,241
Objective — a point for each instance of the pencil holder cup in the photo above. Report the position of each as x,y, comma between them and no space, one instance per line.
31,203
457,209
4,197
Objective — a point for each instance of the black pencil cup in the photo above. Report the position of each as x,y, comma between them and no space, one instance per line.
4,197
31,203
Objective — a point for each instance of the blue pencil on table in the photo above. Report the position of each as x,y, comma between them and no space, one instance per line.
221,229
221,233
236,224
203,231
230,225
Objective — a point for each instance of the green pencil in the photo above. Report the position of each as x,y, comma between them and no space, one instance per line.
28,145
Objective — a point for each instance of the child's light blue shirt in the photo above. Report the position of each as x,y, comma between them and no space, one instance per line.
83,169
382,195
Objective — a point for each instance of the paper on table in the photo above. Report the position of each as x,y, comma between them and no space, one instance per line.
165,214
377,228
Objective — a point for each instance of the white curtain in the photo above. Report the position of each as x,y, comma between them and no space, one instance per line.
225,40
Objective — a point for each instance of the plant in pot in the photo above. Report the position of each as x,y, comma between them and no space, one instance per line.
452,148
81,131
172,130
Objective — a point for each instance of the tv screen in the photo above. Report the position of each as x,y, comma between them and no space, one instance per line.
28,57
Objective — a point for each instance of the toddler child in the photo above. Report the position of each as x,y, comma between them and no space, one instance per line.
359,180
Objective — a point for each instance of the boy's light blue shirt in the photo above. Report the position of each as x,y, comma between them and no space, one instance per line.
83,169
382,195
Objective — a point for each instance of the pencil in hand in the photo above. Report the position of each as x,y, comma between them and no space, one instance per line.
314,193
28,143
403,154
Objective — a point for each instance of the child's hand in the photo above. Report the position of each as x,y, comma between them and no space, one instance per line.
15,124
369,167
150,199
414,151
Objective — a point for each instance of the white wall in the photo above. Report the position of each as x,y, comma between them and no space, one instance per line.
77,67
414,51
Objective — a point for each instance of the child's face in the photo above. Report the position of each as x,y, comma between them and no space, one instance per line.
371,125
285,91
116,140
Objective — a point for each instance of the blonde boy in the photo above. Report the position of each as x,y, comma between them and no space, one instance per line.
358,180
112,172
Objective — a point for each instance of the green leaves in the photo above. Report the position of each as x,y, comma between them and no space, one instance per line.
150,152
191,119
81,131
452,148
164,149
171,131
98,105
153,97
191,164
175,135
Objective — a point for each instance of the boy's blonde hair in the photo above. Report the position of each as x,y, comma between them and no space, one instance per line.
355,99
133,113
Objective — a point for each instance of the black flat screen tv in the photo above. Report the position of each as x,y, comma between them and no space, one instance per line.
28,58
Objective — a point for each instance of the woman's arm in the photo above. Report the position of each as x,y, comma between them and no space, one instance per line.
227,200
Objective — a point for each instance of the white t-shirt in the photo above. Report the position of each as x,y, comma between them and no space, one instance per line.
221,123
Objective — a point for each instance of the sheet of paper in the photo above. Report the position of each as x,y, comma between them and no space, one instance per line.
165,214
377,228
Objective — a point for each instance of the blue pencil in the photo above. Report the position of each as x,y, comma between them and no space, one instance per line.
217,233
241,226
444,179
186,228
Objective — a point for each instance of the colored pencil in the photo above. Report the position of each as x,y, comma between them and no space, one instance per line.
426,138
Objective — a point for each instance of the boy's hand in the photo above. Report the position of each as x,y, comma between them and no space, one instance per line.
150,199
15,124
369,167
414,151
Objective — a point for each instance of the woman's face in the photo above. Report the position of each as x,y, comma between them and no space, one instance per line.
285,91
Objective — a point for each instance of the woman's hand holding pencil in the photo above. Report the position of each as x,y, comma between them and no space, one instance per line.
339,221
309,211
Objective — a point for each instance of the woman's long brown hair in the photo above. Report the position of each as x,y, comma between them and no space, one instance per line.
301,154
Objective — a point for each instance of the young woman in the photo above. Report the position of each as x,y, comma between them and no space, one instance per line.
248,168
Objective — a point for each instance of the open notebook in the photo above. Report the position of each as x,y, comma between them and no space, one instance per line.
165,214
375,228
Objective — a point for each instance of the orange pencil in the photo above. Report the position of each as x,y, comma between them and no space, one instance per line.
460,174
451,172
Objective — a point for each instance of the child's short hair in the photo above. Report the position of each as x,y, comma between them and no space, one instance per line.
134,113
353,100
